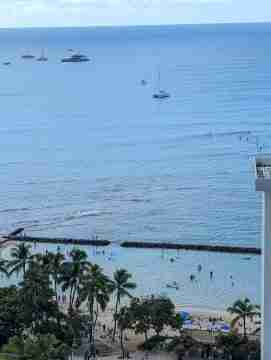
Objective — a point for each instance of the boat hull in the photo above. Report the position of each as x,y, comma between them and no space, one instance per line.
74,60
158,96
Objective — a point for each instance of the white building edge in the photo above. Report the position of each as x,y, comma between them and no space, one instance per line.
263,184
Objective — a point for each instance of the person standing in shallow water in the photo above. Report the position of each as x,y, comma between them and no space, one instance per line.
211,275
192,277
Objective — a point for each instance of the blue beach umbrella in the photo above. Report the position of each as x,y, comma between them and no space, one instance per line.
185,315
225,328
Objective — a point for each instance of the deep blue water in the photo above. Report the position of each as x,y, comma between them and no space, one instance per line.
86,150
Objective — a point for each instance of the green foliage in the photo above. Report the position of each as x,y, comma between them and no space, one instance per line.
121,286
162,311
96,289
71,275
125,321
141,312
39,305
32,308
11,319
125,318
177,322
20,256
41,347
243,310
155,342
152,313
184,342
229,343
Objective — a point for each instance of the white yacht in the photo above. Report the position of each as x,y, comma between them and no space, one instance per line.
75,58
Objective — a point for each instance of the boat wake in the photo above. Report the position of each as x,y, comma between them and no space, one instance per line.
14,210
86,213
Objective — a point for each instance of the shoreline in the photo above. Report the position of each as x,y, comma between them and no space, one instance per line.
192,296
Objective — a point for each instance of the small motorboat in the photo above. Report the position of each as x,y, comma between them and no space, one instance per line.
173,285
75,59
161,94
6,63
28,56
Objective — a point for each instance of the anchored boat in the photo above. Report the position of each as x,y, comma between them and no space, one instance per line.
75,59
42,57
160,94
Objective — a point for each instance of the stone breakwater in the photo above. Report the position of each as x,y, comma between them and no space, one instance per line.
193,247
67,241
136,244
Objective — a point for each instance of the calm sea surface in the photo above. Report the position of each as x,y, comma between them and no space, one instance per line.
85,150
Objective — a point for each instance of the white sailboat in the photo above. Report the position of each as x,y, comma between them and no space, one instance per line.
42,57
160,94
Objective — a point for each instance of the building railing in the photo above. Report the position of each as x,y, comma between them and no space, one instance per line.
263,171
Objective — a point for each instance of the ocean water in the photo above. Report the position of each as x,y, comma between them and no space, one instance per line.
86,150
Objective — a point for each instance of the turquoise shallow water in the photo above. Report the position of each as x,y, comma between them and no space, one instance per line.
86,150
234,275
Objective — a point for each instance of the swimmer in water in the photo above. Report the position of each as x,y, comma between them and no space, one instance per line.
192,277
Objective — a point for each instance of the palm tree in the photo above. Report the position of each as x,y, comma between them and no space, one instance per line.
243,310
96,290
54,264
3,267
258,322
37,294
20,256
122,285
72,273
125,321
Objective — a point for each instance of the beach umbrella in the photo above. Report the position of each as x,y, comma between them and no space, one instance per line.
185,315
188,324
225,328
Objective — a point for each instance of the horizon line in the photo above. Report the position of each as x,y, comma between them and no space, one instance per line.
134,25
